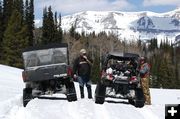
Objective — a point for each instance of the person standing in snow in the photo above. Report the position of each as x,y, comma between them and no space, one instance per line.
144,74
82,70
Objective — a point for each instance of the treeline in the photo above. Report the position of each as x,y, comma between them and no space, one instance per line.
165,65
16,30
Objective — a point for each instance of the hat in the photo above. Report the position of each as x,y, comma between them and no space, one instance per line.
82,51
142,58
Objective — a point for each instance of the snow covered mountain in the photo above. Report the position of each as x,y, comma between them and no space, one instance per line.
127,25
11,86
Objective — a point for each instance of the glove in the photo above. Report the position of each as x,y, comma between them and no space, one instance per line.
142,74
75,77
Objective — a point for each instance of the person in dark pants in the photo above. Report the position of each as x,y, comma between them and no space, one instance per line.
82,71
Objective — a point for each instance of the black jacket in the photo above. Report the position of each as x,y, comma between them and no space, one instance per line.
81,67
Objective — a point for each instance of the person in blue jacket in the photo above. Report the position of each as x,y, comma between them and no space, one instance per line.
144,74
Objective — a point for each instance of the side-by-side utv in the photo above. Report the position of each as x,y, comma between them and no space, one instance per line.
120,79
47,71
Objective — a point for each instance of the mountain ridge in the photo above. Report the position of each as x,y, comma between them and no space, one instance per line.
126,25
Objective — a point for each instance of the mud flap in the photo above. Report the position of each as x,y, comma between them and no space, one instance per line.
71,91
27,96
100,93
139,98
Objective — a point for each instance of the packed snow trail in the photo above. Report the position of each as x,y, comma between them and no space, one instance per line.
83,109
11,86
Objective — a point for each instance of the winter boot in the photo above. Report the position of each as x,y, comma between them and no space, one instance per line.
89,92
81,91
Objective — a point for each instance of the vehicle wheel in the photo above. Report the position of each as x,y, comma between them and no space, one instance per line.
100,93
131,101
139,98
71,92
27,96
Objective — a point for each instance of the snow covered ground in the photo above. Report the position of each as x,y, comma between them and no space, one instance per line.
11,107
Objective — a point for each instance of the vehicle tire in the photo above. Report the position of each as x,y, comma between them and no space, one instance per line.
27,96
131,101
100,93
71,92
139,98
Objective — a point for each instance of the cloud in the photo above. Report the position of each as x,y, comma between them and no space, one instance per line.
38,23
161,2
73,6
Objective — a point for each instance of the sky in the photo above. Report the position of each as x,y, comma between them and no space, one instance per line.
67,7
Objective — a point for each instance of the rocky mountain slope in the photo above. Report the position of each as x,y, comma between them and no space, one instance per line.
126,25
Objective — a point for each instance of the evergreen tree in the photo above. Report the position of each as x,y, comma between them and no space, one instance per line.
51,30
26,12
7,11
1,28
15,40
139,43
161,45
167,75
95,74
75,35
60,19
58,29
155,63
50,23
1,22
19,6
55,20
72,31
153,44
45,39
29,20
163,70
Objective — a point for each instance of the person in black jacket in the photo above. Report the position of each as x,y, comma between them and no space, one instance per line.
82,71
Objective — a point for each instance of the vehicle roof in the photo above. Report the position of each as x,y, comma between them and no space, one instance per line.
122,56
59,45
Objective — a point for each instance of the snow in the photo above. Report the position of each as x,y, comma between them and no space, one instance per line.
125,24
10,82
11,107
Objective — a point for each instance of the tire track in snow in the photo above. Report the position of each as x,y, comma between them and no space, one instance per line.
87,109
124,111
10,107
81,109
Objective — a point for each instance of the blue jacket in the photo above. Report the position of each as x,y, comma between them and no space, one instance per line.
144,70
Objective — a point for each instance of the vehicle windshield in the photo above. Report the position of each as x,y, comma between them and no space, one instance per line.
45,57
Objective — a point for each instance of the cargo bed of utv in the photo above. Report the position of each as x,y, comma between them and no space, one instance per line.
120,79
